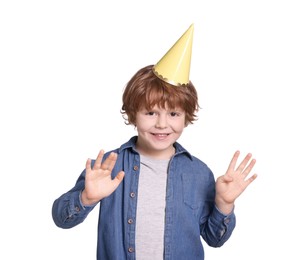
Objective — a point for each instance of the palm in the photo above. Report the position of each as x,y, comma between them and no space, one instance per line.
98,181
230,186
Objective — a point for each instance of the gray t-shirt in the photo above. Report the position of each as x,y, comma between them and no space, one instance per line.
151,203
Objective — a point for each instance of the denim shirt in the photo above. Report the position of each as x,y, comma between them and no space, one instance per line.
190,209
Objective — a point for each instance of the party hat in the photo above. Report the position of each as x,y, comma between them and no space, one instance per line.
174,66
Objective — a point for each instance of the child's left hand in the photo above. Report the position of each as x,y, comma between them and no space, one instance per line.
230,186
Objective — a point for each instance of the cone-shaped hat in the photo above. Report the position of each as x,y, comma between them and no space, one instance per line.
174,66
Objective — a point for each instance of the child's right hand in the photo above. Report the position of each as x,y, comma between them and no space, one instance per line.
98,181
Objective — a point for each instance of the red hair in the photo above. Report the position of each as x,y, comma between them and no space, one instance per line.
145,90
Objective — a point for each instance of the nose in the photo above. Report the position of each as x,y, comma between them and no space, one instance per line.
161,121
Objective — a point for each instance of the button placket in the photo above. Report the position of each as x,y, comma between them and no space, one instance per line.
130,220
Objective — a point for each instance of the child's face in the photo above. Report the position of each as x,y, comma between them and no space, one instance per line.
158,129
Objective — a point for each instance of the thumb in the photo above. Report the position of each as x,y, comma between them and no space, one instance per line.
119,178
227,178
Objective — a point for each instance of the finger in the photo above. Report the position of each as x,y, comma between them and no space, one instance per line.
88,165
249,167
233,161
109,163
227,178
251,179
224,178
98,161
244,162
119,178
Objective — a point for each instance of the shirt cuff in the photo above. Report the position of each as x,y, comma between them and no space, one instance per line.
218,215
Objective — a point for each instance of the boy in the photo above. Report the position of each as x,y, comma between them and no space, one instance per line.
156,199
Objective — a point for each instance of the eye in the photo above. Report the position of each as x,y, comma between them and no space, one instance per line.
150,113
174,114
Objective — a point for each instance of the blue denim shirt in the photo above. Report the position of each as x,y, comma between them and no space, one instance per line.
190,210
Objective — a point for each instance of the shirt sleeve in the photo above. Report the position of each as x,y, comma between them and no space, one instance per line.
67,210
218,227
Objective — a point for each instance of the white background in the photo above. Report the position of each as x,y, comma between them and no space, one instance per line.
63,67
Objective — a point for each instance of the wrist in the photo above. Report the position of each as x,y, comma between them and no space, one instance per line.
224,207
85,201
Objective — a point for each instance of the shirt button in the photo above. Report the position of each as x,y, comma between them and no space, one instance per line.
130,221
227,220
77,209
136,168
130,249
132,194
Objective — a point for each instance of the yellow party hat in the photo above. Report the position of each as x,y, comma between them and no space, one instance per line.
174,66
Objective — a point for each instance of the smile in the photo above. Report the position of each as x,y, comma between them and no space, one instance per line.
160,135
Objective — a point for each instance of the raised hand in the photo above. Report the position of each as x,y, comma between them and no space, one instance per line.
98,181
231,185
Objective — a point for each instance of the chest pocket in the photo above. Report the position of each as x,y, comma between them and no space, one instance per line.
198,188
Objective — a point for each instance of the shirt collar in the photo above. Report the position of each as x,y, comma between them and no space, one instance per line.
131,144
